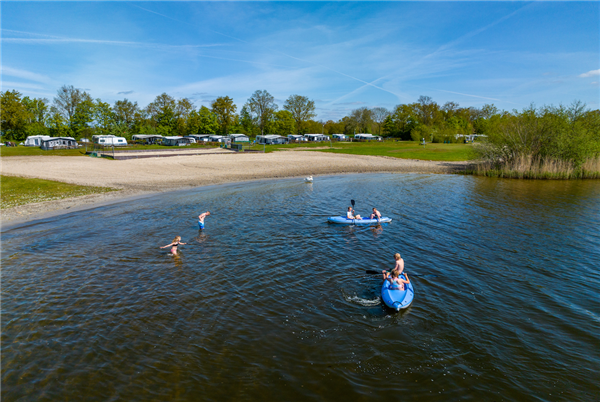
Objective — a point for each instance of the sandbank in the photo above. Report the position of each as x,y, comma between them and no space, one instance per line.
138,177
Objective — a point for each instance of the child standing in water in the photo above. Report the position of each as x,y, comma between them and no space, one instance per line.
399,267
201,219
176,242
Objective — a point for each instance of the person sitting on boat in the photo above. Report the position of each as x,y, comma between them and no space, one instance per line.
176,242
397,283
201,219
376,215
398,267
350,214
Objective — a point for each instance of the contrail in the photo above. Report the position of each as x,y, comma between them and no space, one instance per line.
438,50
276,51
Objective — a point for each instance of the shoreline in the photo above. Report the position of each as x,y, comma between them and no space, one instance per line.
149,176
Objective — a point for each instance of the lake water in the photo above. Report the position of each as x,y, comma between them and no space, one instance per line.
270,302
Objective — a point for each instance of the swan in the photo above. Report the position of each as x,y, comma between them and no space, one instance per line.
308,179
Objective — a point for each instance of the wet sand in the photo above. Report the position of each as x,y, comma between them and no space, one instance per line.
138,177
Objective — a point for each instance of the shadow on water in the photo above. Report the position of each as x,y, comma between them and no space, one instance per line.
271,302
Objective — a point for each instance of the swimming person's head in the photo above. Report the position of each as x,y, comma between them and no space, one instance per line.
207,213
177,239
397,256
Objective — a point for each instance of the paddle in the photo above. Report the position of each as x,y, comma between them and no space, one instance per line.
373,272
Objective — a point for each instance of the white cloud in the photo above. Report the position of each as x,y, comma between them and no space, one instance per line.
27,75
590,73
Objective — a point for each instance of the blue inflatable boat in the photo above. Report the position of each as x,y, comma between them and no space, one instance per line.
397,299
345,221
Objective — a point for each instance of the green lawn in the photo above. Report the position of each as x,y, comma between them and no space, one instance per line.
19,191
400,149
24,151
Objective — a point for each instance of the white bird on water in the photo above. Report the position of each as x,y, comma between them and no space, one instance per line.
308,179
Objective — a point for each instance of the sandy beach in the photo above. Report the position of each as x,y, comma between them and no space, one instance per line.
137,177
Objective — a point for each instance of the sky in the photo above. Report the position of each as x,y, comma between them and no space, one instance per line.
343,55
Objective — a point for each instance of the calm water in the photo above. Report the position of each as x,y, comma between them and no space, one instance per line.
269,302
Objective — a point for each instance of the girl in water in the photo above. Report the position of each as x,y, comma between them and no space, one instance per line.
176,242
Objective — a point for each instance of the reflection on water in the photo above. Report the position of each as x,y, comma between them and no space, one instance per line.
271,302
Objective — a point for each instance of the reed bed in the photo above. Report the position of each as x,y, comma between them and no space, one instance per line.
527,167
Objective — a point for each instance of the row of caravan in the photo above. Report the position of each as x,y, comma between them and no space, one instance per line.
188,139
272,139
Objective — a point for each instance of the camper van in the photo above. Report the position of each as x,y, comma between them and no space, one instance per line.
270,139
366,137
109,140
147,139
239,138
316,137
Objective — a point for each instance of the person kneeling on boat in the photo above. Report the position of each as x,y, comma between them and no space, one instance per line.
397,283
350,214
376,215
398,267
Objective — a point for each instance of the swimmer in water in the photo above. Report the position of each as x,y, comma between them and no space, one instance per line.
201,219
176,242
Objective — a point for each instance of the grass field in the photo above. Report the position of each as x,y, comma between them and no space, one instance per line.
400,149
24,151
19,191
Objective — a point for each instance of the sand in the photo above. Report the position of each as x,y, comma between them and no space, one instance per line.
138,177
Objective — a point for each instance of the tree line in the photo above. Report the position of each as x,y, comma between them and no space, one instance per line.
75,113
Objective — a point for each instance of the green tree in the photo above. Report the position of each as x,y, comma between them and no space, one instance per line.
124,112
104,117
379,114
80,121
283,123
262,105
183,112
68,99
224,109
58,125
302,109
203,121
14,116
248,122
163,114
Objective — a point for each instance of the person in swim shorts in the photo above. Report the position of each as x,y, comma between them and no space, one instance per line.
176,242
398,267
201,219
376,215
350,214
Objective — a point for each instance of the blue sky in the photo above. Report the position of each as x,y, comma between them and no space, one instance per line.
343,55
